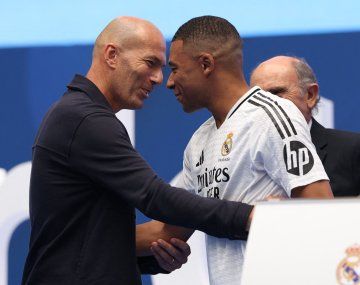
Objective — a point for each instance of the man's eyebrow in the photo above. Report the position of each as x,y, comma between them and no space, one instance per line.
156,60
277,89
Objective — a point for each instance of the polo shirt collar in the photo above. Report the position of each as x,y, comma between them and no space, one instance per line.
83,84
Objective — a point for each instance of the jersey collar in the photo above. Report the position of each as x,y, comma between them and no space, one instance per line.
241,100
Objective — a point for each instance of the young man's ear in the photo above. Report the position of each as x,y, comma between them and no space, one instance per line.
111,55
312,95
207,62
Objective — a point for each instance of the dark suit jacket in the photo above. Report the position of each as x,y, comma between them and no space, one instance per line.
339,152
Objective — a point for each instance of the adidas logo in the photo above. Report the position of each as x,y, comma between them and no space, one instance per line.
201,159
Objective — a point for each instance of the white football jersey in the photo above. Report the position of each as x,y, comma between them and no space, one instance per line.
263,148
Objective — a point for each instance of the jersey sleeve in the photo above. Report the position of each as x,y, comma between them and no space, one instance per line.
285,148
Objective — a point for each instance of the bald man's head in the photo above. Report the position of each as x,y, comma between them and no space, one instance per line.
126,32
276,75
291,78
127,61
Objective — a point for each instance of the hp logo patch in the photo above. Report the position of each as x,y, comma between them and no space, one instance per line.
298,159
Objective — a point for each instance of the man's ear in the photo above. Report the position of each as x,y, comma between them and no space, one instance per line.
111,55
207,63
312,95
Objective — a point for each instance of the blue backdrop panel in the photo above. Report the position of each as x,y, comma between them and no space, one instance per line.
16,133
33,78
17,252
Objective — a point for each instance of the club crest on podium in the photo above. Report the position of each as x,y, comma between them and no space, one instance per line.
348,270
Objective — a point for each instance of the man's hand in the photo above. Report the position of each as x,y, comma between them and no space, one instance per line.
170,255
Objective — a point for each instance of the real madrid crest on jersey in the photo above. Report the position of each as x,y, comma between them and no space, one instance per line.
227,145
348,270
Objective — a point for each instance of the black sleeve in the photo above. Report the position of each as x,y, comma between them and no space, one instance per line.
149,265
101,150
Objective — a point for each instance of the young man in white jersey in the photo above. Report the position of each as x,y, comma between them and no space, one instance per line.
255,144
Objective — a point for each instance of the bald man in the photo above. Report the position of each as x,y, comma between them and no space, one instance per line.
254,145
87,179
292,78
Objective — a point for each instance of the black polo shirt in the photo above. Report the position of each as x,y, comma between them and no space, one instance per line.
86,182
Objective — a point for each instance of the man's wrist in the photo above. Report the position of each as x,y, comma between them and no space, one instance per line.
248,224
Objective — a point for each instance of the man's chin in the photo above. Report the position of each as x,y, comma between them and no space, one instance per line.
137,105
188,109
140,106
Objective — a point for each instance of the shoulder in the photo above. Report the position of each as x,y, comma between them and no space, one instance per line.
79,104
344,139
104,126
271,112
76,108
272,105
334,135
344,135
100,132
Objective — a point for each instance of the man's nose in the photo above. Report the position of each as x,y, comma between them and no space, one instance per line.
157,77
170,82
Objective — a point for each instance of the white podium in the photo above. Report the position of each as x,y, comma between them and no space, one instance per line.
304,242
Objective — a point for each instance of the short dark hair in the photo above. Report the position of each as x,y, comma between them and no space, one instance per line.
213,28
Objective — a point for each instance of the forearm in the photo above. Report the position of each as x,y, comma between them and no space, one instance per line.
152,231
147,233
219,218
316,190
